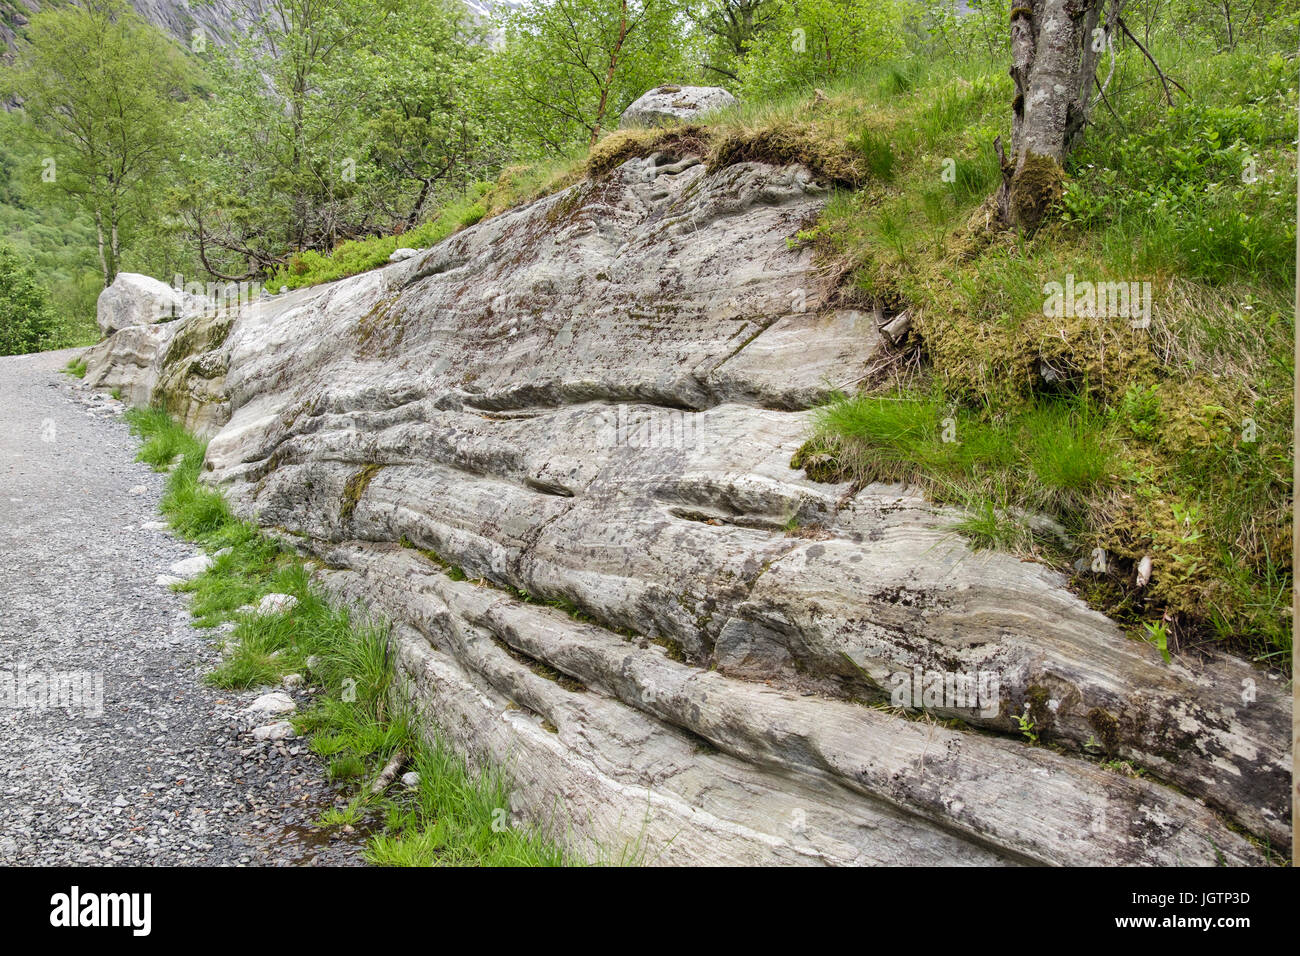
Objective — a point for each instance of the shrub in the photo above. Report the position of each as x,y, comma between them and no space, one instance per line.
26,319
814,42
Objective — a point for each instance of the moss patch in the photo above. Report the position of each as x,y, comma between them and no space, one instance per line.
354,488
620,146
1035,189
820,150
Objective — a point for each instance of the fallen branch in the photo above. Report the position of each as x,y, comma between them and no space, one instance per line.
1164,79
389,772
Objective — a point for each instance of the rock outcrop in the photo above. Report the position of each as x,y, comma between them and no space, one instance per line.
554,451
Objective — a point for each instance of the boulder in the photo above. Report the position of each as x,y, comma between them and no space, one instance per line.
190,567
135,299
672,104
276,603
275,702
280,730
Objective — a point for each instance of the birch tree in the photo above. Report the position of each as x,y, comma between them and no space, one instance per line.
100,88
1055,48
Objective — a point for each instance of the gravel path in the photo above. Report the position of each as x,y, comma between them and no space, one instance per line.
166,771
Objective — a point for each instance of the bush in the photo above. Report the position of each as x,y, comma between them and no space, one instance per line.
812,42
26,320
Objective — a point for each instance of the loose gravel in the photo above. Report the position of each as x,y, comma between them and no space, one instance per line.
167,770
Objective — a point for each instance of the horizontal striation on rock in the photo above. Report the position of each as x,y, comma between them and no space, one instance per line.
593,401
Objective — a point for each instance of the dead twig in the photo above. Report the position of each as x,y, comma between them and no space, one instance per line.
1165,79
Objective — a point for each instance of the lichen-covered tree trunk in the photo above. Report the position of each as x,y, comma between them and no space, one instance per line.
1055,46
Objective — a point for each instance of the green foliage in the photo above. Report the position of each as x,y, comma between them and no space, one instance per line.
568,68
1027,725
98,86
725,31
1158,634
1230,23
332,122
878,154
1140,411
26,322
359,255
57,237
980,29
1201,188
814,42
426,125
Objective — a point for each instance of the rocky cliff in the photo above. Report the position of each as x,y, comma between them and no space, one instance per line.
554,451
217,19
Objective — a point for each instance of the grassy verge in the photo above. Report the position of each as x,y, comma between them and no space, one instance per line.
455,816
1169,439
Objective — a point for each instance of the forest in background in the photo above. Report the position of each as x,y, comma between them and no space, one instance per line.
333,121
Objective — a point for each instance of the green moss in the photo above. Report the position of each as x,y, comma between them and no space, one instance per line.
379,333
200,334
620,146
820,149
1036,187
1044,720
354,488
672,649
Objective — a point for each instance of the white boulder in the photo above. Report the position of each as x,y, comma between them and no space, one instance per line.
135,299
191,567
276,604
275,702
280,730
671,104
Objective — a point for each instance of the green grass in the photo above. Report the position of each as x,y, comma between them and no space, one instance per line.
1055,454
360,255
1174,441
76,368
456,816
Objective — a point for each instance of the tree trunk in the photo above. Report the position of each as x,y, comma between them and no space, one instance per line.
413,219
609,77
1055,47
113,258
99,235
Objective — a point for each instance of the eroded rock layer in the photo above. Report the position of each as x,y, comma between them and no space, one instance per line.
674,641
